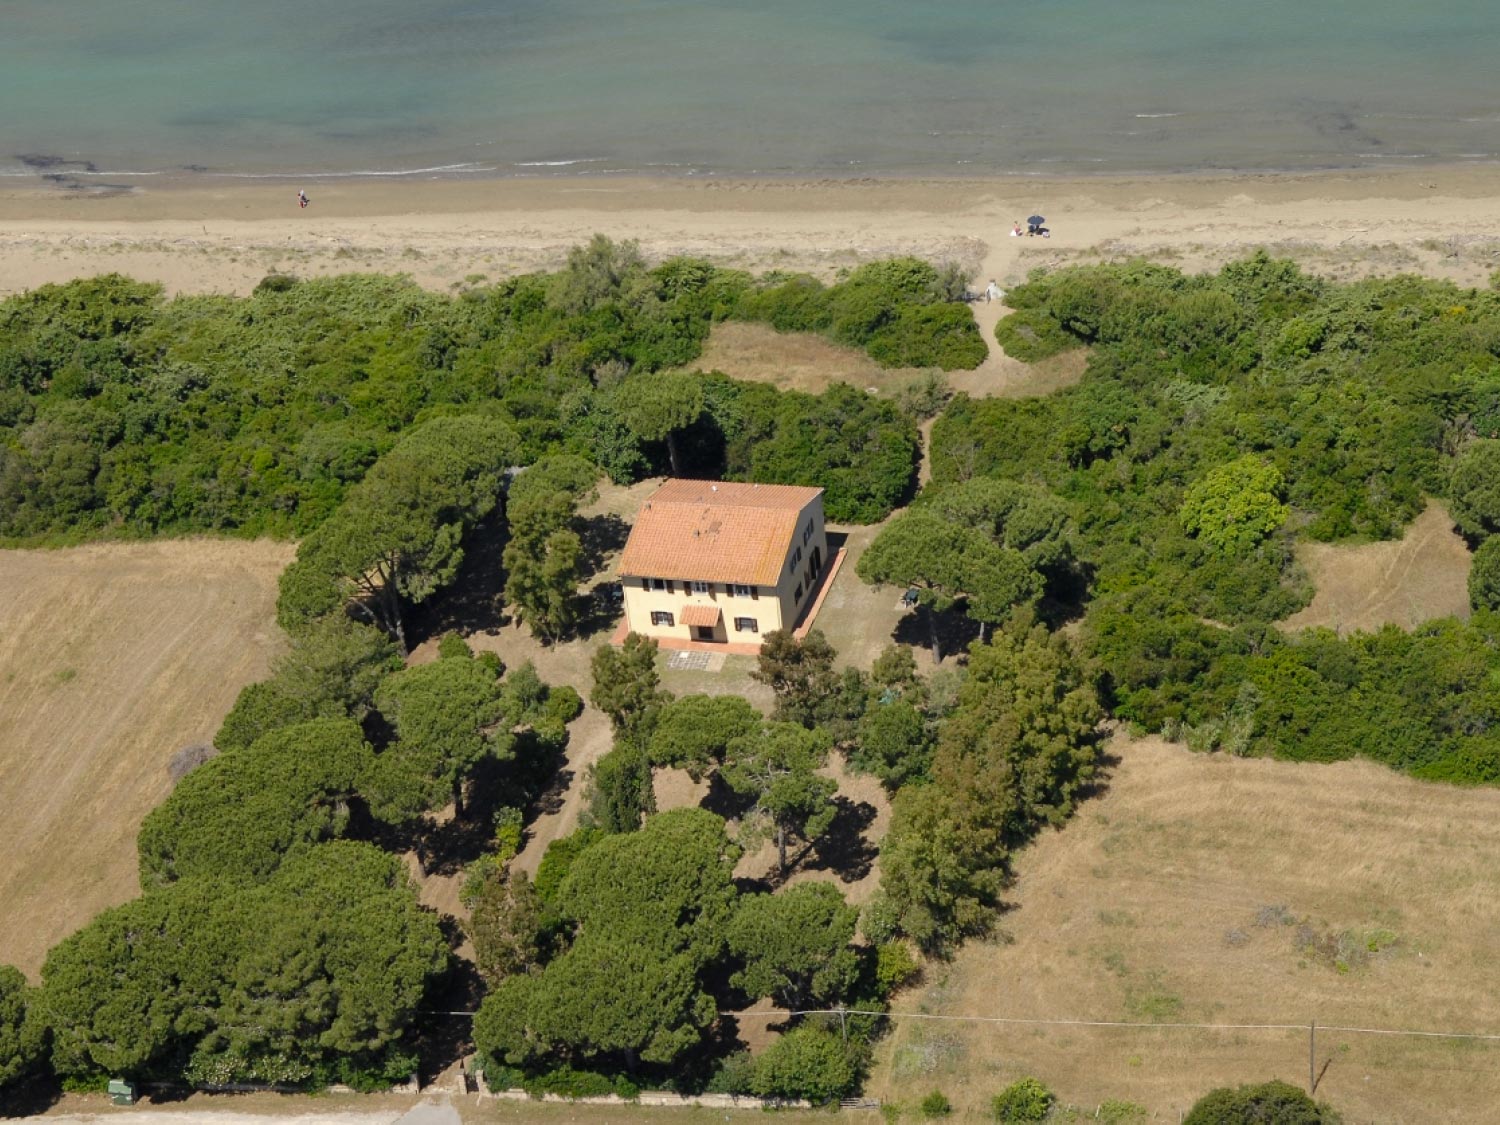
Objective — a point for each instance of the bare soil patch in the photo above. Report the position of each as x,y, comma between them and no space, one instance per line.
1422,575
112,657
1218,890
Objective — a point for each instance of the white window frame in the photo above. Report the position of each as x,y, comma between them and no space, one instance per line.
661,584
742,591
746,625
702,587
663,619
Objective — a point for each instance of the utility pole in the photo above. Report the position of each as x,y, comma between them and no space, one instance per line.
1312,1052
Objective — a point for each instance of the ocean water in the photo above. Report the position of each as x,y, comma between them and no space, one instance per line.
122,89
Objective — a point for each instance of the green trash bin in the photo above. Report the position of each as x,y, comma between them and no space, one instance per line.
121,1091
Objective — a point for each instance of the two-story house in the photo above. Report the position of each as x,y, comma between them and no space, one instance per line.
721,561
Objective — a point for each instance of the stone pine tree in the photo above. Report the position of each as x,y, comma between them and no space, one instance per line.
544,564
656,406
445,717
398,536
649,909
794,945
987,546
775,769
544,557
800,674
694,732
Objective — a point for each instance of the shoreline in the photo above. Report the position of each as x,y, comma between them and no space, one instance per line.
447,233
44,194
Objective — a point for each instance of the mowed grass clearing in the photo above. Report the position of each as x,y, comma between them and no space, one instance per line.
1421,576
1217,890
112,657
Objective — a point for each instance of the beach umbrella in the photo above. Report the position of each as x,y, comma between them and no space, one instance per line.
1036,221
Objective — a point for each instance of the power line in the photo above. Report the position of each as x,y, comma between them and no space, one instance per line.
778,1013
1349,1030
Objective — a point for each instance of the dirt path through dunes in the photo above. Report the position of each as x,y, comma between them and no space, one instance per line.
112,657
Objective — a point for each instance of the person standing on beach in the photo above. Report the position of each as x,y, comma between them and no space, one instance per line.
302,200
993,293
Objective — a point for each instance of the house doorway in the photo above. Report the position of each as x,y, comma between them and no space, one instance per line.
817,561
703,633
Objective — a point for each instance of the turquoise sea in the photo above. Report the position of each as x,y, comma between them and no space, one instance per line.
127,88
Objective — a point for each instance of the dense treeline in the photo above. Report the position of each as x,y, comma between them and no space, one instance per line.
1155,505
1220,418
613,968
278,940
122,412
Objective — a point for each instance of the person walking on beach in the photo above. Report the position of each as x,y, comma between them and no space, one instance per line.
993,293
302,200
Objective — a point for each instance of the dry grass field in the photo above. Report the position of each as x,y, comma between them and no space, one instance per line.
1217,890
793,361
801,361
1423,575
112,657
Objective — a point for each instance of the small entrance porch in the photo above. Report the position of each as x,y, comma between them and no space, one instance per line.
706,623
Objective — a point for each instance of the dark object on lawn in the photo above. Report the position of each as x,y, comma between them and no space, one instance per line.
909,598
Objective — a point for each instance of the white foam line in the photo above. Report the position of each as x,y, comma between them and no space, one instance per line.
1158,115
465,167
557,163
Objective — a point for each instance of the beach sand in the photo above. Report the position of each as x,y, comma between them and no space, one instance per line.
197,238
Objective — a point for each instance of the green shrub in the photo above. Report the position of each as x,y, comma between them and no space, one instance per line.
1270,1103
942,336
807,1062
935,1105
1236,505
1026,1099
1484,575
570,1083
1031,335
1474,490
895,966
735,1075
559,858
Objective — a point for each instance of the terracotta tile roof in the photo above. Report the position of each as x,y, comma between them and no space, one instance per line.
716,531
704,615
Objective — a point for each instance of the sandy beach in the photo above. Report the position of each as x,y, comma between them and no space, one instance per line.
206,238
